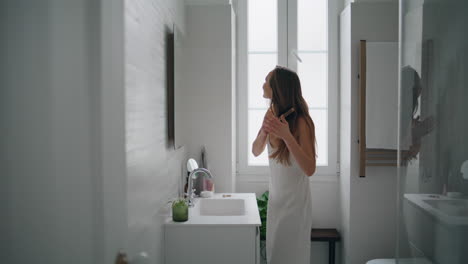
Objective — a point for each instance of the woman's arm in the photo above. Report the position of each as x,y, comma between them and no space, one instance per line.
302,150
259,143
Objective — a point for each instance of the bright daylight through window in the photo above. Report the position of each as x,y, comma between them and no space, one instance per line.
305,51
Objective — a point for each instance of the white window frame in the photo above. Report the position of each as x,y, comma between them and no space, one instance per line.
286,58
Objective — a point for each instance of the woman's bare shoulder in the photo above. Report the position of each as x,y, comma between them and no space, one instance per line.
305,128
304,123
306,134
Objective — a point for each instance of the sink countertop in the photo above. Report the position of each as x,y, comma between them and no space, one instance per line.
251,217
418,200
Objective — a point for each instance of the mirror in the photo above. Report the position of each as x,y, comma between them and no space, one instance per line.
178,73
173,83
170,81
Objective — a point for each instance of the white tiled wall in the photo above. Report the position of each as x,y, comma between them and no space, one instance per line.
153,169
206,106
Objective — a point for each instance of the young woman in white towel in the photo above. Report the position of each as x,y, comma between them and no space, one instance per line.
289,133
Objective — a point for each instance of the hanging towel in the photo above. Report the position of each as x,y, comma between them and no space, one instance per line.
382,95
289,214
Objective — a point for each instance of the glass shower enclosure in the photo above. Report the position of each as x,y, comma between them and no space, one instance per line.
433,132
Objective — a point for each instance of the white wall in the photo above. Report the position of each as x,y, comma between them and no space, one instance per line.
345,129
112,210
207,105
48,126
154,169
372,200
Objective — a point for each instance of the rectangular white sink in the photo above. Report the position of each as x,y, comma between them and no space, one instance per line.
449,210
450,207
222,207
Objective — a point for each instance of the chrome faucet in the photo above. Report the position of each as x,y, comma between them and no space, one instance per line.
192,177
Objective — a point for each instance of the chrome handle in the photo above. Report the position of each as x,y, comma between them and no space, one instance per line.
294,52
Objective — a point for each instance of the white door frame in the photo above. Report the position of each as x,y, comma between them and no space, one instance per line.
111,215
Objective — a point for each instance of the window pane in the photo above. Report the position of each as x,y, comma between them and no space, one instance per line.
311,25
259,66
255,122
313,75
319,117
262,25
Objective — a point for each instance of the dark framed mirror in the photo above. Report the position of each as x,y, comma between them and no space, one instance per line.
170,86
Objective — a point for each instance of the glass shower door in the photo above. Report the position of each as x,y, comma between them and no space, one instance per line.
433,132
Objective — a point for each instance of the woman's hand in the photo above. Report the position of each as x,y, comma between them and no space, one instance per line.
279,127
259,144
268,114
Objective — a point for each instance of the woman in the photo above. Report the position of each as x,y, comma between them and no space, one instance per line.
292,158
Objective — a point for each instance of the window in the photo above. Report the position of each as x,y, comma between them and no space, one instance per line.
296,34
262,56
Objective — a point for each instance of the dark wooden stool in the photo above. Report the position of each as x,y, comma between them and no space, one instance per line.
329,235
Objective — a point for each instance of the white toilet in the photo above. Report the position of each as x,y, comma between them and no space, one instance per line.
401,261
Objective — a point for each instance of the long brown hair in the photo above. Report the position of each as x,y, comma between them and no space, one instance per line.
287,93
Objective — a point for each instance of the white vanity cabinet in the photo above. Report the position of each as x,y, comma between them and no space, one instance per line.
216,237
212,244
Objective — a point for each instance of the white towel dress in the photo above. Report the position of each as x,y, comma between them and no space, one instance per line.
289,215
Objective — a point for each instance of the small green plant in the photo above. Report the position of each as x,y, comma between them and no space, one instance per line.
262,203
